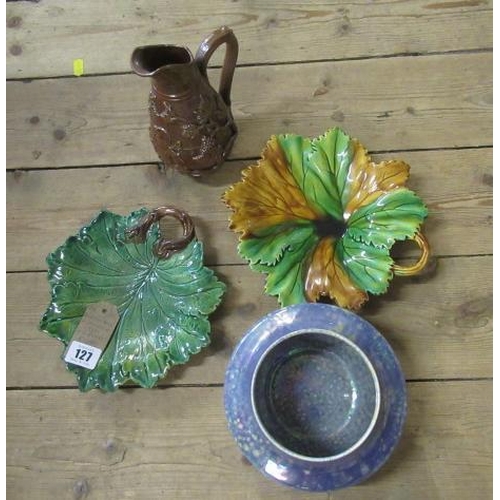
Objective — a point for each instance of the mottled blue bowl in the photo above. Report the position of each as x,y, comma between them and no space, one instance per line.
315,397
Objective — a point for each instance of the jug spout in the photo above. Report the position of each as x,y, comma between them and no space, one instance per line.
170,66
149,59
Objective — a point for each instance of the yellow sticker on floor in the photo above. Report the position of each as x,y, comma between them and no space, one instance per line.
78,67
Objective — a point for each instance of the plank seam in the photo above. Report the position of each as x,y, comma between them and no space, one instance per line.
240,159
235,264
219,385
483,50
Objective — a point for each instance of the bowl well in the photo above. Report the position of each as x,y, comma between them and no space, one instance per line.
316,395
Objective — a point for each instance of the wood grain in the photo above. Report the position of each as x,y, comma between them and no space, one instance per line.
399,103
449,334
48,206
411,79
105,33
173,443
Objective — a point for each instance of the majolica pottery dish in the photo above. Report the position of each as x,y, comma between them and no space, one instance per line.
320,218
315,397
160,287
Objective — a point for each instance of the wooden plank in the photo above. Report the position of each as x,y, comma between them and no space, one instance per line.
44,38
389,104
48,206
440,325
174,444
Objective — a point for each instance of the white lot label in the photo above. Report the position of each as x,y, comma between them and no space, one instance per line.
92,335
83,355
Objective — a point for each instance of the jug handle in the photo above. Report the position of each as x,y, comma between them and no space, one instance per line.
208,47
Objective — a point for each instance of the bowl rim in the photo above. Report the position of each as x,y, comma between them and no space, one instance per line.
263,454
367,362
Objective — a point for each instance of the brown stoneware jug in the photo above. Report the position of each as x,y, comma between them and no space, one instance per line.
192,128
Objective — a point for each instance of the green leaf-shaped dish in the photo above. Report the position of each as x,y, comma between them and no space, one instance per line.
319,217
163,303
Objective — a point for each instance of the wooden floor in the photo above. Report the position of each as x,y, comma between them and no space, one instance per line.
411,79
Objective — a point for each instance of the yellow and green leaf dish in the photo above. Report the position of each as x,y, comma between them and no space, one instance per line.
319,217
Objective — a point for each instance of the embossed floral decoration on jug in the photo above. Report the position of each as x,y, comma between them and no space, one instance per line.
320,218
